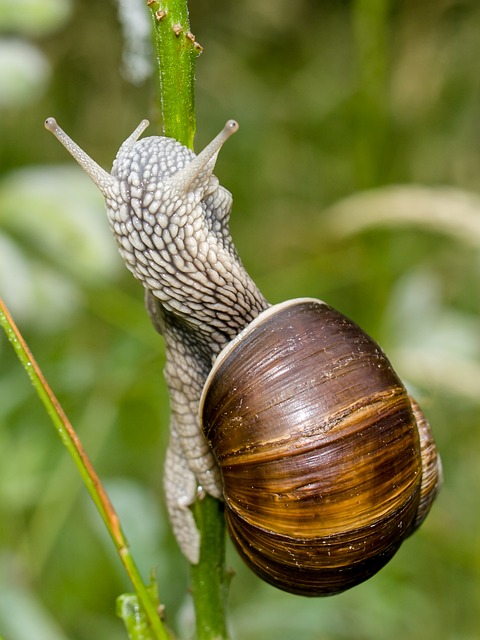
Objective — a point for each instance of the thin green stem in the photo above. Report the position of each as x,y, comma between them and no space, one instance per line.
176,51
87,472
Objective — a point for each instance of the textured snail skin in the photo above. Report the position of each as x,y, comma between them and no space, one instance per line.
169,216
170,219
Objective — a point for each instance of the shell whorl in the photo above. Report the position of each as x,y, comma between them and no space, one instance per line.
319,448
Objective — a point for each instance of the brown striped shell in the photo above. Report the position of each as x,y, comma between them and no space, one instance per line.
319,449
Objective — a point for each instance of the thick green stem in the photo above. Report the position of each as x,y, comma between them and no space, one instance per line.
209,578
176,51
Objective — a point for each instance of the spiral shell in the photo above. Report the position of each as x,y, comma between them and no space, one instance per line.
318,446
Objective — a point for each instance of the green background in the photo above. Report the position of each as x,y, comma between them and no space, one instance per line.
334,98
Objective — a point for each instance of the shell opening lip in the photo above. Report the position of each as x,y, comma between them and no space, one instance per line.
256,321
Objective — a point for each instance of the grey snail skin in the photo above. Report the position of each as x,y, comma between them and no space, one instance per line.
290,414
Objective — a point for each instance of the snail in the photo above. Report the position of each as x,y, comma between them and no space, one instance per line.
289,413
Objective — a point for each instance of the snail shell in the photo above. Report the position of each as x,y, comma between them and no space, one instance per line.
319,449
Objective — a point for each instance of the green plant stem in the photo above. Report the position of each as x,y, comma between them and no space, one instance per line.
209,577
87,472
176,52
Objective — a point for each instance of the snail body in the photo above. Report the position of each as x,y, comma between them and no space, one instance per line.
290,413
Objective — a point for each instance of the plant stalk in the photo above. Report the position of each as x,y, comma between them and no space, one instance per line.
90,478
176,52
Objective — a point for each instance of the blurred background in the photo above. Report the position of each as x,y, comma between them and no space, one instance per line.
356,179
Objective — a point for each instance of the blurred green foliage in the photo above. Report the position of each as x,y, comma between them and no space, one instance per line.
333,98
